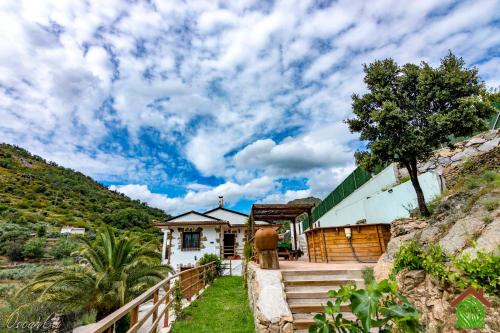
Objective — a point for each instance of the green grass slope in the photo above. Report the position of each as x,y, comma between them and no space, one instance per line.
223,307
36,192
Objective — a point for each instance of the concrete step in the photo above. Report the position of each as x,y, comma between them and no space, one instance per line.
321,282
307,294
313,307
306,320
351,273
302,324
317,277
306,288
321,300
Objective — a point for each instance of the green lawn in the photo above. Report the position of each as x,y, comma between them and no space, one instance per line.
223,308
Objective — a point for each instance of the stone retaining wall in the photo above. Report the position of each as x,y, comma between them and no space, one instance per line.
266,294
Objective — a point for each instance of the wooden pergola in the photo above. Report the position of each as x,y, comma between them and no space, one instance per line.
279,212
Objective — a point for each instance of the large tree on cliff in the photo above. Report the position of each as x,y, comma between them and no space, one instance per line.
412,109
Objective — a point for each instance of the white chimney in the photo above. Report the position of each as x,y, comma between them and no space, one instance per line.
221,201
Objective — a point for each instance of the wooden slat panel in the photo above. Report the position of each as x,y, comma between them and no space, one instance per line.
330,244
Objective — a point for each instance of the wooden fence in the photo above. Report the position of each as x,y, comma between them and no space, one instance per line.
192,282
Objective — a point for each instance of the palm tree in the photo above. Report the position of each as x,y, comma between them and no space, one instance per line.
112,271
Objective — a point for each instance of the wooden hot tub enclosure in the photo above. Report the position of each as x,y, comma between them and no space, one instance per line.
330,244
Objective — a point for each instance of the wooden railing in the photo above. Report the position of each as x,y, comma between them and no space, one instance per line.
232,250
192,281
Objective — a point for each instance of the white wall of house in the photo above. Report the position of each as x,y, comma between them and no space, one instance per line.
192,216
224,215
208,244
212,235
380,200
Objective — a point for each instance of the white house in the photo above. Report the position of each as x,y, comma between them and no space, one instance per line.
72,230
187,237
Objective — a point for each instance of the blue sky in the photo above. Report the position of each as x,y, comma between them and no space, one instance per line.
177,102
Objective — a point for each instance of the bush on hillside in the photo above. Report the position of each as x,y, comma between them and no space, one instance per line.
63,247
127,218
12,240
34,248
13,250
481,271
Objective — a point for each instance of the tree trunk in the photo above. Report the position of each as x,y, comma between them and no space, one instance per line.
411,166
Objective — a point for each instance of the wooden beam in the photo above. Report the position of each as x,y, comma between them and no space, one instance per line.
294,235
324,244
314,245
283,206
252,225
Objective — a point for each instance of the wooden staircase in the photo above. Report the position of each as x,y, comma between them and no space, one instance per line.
306,292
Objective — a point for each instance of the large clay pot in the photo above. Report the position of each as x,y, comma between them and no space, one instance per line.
266,239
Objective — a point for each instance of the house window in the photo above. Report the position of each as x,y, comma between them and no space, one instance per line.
191,241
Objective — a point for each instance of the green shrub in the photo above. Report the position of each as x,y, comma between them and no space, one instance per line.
404,179
412,256
63,247
483,271
378,306
208,258
368,276
489,176
248,251
487,219
177,299
14,250
41,230
433,262
409,255
34,248
492,204
126,218
6,164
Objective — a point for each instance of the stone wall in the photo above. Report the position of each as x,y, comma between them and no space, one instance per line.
266,294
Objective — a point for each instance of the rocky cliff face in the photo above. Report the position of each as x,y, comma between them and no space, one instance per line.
465,221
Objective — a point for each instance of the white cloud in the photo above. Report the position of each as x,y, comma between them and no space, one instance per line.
322,148
200,198
216,83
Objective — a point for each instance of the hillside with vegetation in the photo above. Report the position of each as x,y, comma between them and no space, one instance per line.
37,198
